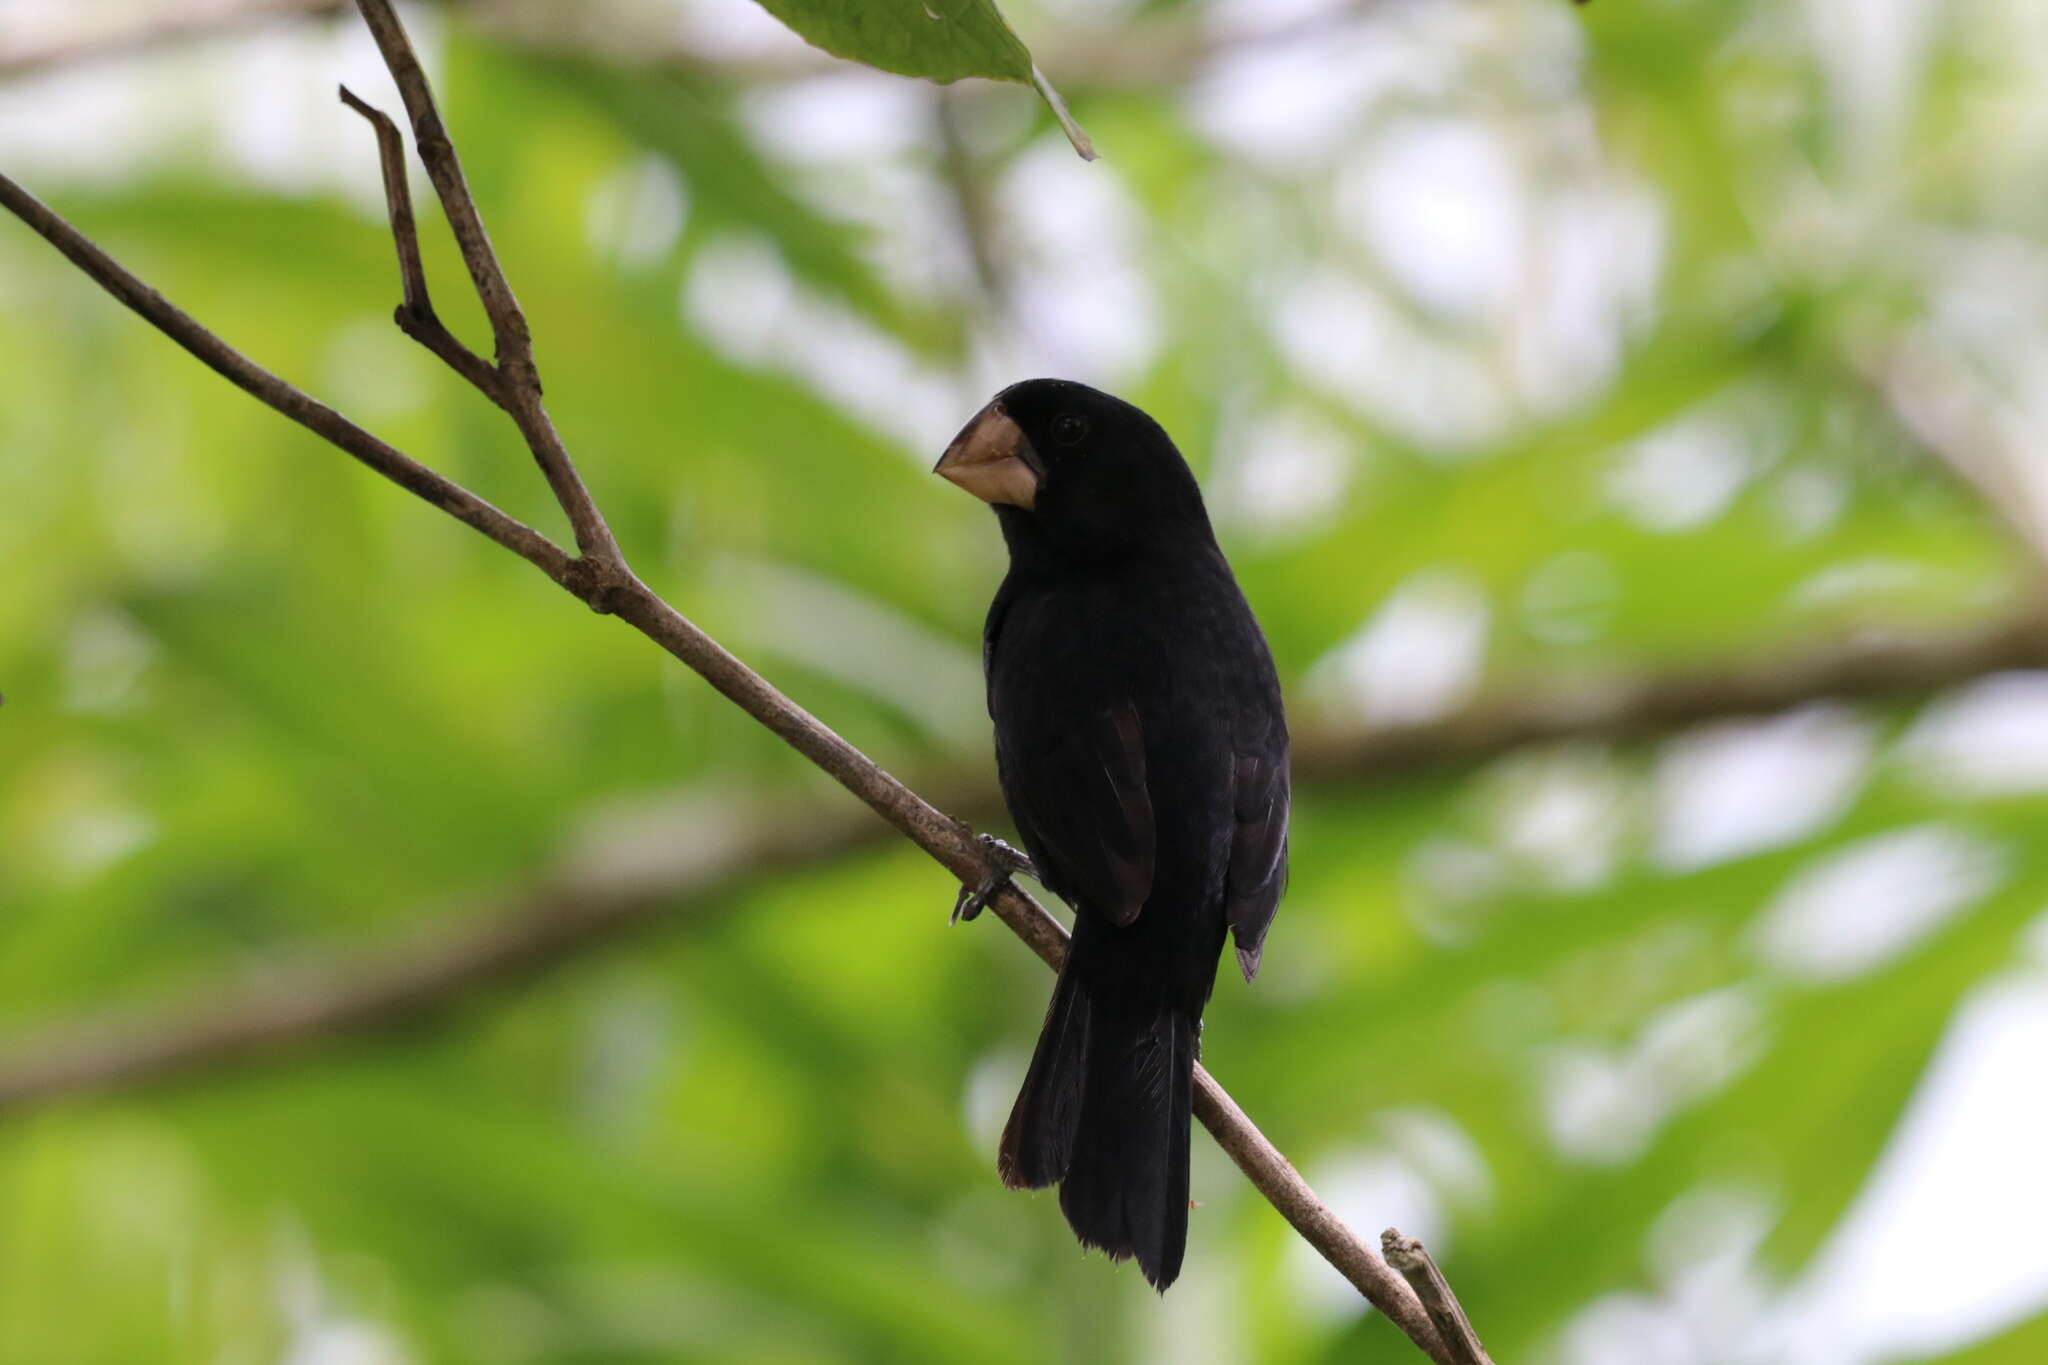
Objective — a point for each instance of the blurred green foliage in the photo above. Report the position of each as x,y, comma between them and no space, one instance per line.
261,706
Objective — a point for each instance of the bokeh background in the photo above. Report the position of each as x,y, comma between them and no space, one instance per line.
1538,361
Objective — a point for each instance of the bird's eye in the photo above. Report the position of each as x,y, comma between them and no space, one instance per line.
1068,429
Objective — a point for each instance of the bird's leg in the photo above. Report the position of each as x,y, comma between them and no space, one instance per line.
1004,862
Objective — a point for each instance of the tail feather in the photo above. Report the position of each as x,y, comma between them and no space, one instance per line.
1038,1141
1104,1111
1126,1187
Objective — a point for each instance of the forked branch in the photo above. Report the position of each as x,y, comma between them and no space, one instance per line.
416,316
517,384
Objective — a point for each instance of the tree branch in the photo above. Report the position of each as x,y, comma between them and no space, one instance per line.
617,590
517,386
1412,1259
416,316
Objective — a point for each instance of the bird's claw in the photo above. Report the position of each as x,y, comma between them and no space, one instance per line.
1004,862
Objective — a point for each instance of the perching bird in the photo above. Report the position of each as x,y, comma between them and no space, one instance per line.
1143,755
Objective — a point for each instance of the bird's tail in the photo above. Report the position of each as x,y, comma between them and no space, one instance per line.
1104,1112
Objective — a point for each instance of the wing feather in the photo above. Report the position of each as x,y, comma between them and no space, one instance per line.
1083,800
1260,800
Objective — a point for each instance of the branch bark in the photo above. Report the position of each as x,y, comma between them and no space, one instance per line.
415,316
602,580
517,386
1413,1260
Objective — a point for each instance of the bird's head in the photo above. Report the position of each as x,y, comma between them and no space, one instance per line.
1075,474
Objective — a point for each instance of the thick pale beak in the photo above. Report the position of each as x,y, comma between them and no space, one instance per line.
992,459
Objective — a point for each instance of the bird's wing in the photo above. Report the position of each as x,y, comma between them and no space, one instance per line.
991,629
1258,847
1082,800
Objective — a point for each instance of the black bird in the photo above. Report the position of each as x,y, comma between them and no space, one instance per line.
1143,755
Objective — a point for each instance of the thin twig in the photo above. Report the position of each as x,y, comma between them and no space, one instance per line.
1413,1260
415,316
617,590
444,168
518,385
1315,1221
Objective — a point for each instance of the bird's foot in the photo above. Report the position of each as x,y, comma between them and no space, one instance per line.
1004,862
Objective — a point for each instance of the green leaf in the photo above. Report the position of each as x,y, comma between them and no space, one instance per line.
939,40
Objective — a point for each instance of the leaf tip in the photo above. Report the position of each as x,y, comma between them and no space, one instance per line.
1083,144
